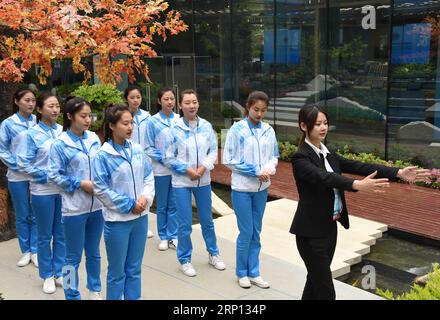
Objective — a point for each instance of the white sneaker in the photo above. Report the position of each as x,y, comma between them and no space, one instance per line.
244,282
163,245
260,282
49,286
188,269
217,262
34,259
172,244
150,234
24,260
93,295
59,281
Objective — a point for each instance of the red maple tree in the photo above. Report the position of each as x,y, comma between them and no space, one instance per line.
39,31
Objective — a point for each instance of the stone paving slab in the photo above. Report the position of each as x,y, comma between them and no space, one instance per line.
163,280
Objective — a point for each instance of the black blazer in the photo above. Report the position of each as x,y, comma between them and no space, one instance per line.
314,214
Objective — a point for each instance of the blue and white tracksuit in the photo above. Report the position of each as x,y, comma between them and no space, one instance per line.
33,158
140,127
70,162
192,148
121,175
158,139
12,132
249,150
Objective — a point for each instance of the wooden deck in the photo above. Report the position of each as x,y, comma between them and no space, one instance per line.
407,208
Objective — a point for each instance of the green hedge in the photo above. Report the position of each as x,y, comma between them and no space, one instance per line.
431,291
99,95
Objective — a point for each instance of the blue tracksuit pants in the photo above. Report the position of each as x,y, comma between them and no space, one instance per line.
25,221
166,208
125,245
82,233
47,210
249,209
184,218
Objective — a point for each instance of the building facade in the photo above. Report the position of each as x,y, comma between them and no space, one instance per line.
372,64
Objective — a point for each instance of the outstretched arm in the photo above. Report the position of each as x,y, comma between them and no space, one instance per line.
365,169
412,174
304,169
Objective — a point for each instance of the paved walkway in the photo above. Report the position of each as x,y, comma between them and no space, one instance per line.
163,280
408,208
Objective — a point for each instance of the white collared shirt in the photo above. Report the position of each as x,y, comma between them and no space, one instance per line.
337,209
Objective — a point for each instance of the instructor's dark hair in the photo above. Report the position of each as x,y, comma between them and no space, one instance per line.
308,115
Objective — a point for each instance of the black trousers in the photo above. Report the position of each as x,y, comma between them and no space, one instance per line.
317,254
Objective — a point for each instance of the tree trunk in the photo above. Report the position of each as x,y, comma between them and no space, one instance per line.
7,217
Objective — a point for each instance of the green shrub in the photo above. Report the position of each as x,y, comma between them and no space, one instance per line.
431,291
286,150
67,89
230,113
413,70
99,95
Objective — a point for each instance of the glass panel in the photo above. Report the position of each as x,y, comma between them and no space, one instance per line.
253,50
414,101
358,69
300,62
212,43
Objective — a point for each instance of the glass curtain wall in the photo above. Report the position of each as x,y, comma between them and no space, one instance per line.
414,97
252,41
300,56
372,63
357,68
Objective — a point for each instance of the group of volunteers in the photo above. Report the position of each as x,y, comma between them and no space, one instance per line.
81,186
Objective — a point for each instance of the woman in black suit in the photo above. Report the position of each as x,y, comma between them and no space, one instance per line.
321,203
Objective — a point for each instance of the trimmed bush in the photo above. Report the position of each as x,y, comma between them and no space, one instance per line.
431,291
99,95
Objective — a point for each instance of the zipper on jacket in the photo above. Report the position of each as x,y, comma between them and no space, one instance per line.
131,167
90,177
132,172
197,155
139,132
134,182
90,170
259,159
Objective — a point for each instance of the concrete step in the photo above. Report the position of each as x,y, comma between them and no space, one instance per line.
282,123
284,109
288,99
301,94
163,280
275,237
287,104
282,116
